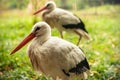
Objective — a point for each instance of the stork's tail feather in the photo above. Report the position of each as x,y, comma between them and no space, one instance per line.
82,33
82,76
85,74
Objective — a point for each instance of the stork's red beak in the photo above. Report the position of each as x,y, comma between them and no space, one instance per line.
25,41
40,10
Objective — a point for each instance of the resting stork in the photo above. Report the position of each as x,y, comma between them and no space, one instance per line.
63,20
54,56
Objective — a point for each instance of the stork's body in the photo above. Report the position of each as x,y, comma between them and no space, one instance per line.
54,56
63,20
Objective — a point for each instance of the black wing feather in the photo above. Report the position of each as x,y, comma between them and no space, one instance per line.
80,25
80,67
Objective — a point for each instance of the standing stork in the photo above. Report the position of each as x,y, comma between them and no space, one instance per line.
63,20
54,56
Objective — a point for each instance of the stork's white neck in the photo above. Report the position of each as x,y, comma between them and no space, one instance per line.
41,39
46,12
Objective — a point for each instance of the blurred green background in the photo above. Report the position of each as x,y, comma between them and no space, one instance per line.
102,20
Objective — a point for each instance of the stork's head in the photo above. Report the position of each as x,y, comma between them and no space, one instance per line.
49,6
41,30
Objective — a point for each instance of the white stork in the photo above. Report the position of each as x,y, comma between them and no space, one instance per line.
63,20
54,56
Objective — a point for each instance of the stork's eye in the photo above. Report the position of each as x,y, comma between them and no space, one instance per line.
48,5
38,28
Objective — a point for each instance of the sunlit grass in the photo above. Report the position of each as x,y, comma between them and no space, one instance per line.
102,51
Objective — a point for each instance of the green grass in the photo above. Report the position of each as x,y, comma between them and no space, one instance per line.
102,51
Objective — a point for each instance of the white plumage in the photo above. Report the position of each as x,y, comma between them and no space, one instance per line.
63,20
54,56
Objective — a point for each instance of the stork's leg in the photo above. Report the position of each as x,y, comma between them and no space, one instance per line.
80,37
61,34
